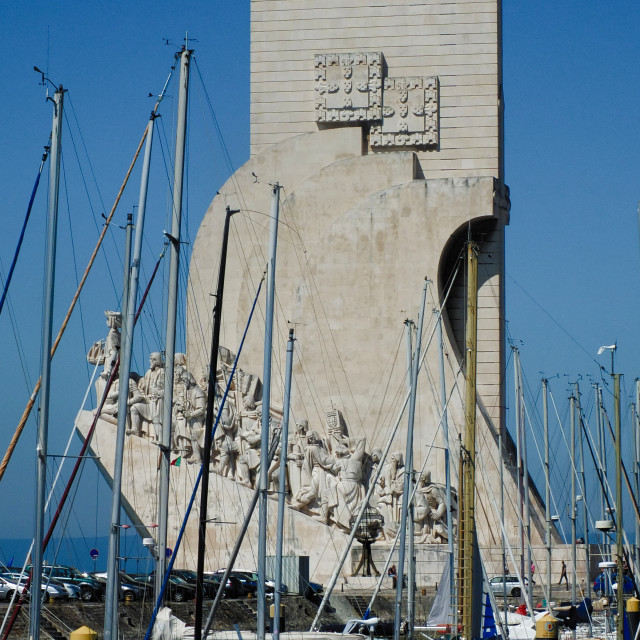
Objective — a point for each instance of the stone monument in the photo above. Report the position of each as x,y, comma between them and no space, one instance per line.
382,122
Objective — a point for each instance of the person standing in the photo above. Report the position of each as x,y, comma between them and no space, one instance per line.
393,574
563,574
533,572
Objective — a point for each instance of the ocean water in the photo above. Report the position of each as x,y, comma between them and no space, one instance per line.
77,552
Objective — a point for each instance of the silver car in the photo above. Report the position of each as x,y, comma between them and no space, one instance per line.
49,591
511,583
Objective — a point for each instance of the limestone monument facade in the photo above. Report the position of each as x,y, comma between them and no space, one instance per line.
382,123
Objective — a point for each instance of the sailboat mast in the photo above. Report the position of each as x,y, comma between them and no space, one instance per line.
636,431
547,486
208,429
128,229
527,505
468,451
408,475
572,446
411,565
47,336
603,464
172,307
519,458
266,404
129,311
619,529
583,481
277,592
445,445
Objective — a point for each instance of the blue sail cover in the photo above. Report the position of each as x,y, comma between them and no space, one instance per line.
489,628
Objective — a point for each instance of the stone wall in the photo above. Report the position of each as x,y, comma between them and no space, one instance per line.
459,42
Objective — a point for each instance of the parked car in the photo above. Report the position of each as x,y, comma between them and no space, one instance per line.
91,590
210,586
16,582
73,591
179,590
498,583
247,585
8,586
130,590
600,583
252,577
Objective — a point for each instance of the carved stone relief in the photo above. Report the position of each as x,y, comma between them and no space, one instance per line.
328,472
409,113
348,87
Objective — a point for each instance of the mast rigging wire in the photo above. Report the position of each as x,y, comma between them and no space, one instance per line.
65,322
80,459
167,575
45,155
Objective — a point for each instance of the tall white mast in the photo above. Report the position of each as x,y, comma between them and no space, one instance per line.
172,307
47,331
266,403
415,366
277,593
129,312
447,462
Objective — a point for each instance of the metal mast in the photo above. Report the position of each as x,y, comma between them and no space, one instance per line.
172,306
603,465
636,431
408,476
572,445
47,331
445,445
129,313
468,451
208,429
525,486
547,486
266,404
519,456
583,481
619,530
277,592
128,229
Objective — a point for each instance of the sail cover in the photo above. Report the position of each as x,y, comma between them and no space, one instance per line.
441,610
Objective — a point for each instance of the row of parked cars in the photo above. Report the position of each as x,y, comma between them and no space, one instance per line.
62,582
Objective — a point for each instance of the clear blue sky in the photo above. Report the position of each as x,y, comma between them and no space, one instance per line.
571,85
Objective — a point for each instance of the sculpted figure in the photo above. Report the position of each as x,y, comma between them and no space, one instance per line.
249,387
112,343
180,435
393,473
336,430
203,383
295,456
273,474
317,467
109,351
179,366
347,490
431,511
249,460
225,437
193,411
149,407
110,407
